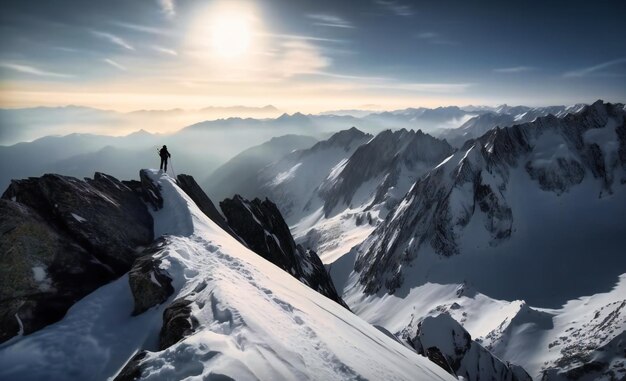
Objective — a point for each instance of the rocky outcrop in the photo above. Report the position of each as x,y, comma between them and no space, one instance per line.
264,231
189,185
593,348
150,191
178,323
61,239
149,284
450,346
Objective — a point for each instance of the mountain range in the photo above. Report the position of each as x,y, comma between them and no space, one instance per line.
495,253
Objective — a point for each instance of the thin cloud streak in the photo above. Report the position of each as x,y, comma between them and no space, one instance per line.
594,69
514,69
115,64
113,39
142,28
434,38
396,7
26,69
161,49
301,37
330,20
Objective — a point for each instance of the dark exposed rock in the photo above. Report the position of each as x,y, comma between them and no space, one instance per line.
450,346
102,215
559,177
149,284
435,355
193,190
150,191
178,323
61,238
264,231
132,369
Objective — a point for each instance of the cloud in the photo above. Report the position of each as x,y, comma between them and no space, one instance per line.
594,69
25,69
329,20
434,38
396,7
161,49
113,39
115,64
300,57
141,28
168,7
300,37
514,69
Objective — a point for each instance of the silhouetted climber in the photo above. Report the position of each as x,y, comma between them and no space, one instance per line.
164,156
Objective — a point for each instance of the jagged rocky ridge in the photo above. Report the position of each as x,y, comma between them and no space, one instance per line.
61,239
473,183
293,181
503,116
391,157
265,232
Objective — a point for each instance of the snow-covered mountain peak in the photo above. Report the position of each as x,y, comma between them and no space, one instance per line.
481,193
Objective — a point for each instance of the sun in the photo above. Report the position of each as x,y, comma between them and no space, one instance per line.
230,34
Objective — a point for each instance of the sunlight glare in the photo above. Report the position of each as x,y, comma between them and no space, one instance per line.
230,34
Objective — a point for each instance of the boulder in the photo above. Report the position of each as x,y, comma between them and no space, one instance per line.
450,346
149,284
61,238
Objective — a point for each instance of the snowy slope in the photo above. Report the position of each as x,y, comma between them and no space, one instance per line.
530,214
237,175
359,191
254,321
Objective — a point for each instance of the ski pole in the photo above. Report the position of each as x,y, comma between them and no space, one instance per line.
172,166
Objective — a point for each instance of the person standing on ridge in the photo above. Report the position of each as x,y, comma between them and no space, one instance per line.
164,156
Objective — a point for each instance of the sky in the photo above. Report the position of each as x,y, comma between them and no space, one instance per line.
310,56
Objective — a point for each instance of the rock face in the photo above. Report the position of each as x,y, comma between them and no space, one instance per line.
594,348
389,157
555,153
62,238
293,182
264,231
149,284
150,191
178,323
450,346
189,185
